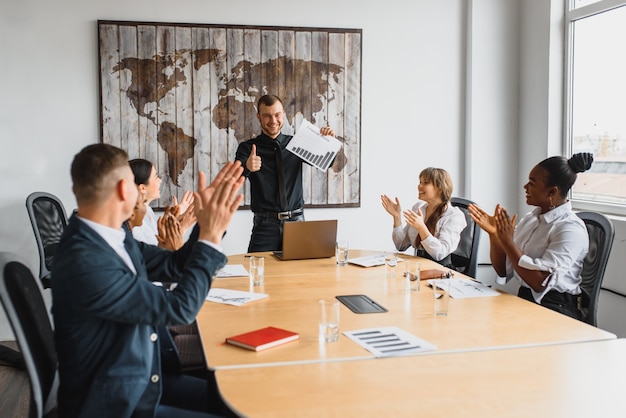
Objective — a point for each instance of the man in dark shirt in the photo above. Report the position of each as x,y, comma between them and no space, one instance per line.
275,176
106,310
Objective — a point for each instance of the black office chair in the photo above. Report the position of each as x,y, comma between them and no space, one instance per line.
48,218
465,257
601,233
22,300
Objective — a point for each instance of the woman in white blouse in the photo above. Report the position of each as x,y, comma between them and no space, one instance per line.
154,231
433,226
544,252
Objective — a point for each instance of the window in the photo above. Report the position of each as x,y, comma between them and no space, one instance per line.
596,99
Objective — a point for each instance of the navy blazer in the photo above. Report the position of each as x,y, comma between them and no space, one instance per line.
105,318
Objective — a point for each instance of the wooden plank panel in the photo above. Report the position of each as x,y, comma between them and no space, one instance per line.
319,58
185,142
129,128
253,76
146,53
352,121
235,84
335,84
270,63
252,59
287,69
109,85
202,56
303,97
223,145
166,115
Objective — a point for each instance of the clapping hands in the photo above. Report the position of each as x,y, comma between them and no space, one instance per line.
170,231
215,204
499,225
415,219
185,202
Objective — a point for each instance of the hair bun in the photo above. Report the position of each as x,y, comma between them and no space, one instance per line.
581,161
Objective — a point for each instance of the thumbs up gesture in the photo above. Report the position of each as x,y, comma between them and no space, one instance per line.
254,161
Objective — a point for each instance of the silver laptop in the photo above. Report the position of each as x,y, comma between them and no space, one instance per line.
308,239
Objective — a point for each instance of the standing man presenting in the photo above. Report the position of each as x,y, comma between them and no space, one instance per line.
105,308
275,176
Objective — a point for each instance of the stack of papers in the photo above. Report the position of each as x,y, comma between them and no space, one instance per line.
388,341
465,288
233,270
233,297
371,260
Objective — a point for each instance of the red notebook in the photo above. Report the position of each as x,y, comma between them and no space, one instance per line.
263,338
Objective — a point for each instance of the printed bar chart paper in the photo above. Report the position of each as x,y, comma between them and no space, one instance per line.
313,147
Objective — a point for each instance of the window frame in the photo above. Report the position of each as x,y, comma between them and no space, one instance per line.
573,14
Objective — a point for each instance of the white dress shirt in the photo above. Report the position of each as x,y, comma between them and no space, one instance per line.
438,245
148,230
115,238
557,242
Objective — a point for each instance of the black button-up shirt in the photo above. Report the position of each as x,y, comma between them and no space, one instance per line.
264,195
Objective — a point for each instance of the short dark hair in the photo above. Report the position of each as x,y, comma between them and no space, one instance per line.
142,170
92,168
267,100
562,172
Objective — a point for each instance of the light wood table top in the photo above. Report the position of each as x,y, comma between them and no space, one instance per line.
294,288
572,380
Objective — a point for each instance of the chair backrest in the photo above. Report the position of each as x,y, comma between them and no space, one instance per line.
465,257
601,233
22,300
48,218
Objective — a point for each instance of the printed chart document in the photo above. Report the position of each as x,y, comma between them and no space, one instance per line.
233,297
388,341
465,288
313,147
233,270
371,260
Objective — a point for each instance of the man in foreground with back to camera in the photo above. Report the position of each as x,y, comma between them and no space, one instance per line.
105,308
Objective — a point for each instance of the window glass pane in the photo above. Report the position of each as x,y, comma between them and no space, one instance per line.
599,104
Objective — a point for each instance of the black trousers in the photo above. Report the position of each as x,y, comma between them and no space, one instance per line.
564,303
267,233
189,396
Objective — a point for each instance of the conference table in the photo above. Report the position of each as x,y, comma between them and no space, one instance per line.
476,330
583,380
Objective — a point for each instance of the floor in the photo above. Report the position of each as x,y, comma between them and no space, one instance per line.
14,388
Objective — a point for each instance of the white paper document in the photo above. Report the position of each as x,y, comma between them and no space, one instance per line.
371,260
465,288
233,297
313,147
388,341
233,270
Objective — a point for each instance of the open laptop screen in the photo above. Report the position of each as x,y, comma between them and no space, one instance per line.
308,239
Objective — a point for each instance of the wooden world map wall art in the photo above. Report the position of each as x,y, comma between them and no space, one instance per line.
183,96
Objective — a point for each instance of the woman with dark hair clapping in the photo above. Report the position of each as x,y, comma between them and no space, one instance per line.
546,249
